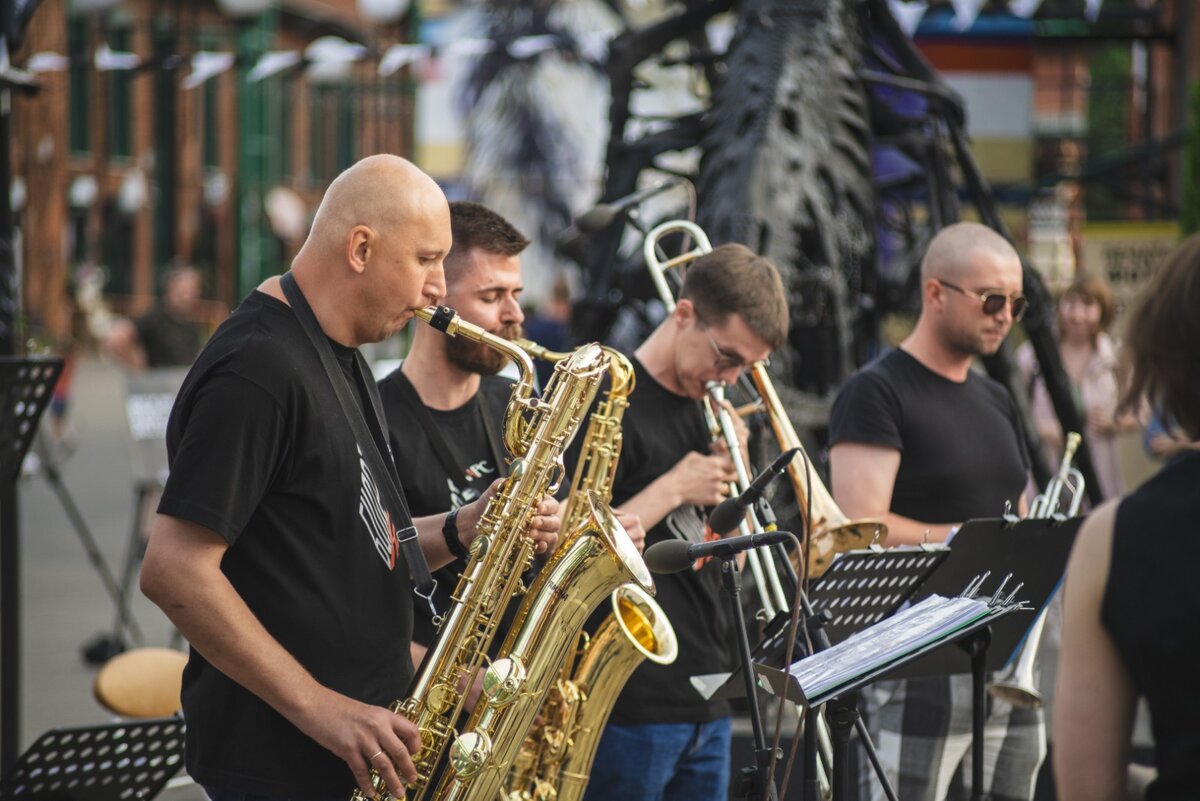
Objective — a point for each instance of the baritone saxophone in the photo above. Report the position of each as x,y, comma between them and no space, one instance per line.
556,755
537,432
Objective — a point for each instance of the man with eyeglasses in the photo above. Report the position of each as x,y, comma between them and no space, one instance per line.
664,741
925,442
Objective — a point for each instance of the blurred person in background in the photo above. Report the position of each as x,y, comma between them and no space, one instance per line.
169,335
1089,357
547,326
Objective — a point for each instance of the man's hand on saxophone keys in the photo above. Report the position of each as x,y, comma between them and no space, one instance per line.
366,737
543,529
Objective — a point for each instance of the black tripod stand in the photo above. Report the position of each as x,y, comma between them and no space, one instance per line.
103,646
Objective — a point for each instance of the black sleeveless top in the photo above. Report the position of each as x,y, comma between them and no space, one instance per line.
1151,608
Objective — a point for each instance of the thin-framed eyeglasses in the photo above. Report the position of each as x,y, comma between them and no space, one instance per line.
992,302
725,360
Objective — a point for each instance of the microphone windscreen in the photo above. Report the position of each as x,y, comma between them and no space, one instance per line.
668,556
728,515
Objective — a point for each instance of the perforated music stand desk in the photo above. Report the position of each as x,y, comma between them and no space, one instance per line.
1034,552
126,761
859,589
26,385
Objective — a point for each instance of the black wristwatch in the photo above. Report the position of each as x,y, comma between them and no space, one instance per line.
450,532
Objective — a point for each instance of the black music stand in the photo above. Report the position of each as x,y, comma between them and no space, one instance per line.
111,762
1033,552
863,587
841,699
47,466
1030,554
26,385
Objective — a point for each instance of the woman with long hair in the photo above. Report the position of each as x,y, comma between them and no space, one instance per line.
1089,357
1131,597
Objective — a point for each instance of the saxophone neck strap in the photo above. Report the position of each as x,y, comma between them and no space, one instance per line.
368,443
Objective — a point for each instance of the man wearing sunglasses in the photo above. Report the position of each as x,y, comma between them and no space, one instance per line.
921,439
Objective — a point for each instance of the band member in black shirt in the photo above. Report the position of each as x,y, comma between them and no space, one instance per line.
664,741
446,404
275,551
925,442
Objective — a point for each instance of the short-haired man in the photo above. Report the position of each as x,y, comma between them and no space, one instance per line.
664,740
275,551
925,442
446,404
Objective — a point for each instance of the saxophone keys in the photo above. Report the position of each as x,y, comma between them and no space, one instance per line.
470,753
504,680
441,697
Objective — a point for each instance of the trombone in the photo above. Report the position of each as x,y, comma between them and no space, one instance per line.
831,531
1016,685
720,424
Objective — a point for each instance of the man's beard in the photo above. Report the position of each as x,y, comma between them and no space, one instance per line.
972,343
476,357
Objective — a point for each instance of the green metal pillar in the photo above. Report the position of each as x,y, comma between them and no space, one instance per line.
257,132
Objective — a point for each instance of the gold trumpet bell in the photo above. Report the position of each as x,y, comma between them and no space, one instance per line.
852,536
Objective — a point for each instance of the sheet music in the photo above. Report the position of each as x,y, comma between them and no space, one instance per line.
921,624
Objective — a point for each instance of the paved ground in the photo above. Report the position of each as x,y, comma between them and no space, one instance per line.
64,602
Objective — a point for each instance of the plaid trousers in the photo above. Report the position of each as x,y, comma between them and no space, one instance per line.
922,730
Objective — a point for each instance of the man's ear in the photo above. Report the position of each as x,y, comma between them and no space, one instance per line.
933,292
684,312
360,246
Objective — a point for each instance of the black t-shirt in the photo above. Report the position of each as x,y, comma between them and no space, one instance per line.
1150,607
260,452
431,486
659,428
961,451
168,342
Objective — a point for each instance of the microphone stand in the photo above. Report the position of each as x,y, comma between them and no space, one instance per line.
749,783
843,713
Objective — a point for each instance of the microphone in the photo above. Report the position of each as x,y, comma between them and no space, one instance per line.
730,512
602,215
674,556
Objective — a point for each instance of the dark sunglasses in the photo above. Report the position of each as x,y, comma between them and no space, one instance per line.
994,302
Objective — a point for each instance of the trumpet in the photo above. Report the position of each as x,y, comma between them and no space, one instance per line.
1016,684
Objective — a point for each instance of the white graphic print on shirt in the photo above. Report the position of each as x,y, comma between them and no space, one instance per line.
458,497
378,521
687,523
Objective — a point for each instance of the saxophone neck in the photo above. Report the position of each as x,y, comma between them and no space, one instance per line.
448,321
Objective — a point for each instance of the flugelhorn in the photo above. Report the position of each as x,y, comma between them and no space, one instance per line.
1016,684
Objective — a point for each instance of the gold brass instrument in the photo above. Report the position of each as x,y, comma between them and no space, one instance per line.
830,531
537,431
720,425
595,559
636,630
562,745
766,576
1016,684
